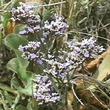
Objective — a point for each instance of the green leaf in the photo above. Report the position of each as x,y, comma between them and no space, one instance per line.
29,106
8,97
15,82
19,65
6,18
48,14
19,28
21,107
12,65
13,41
28,88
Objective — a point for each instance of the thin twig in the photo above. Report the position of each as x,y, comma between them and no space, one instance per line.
50,1
46,5
16,101
88,34
61,7
98,99
104,93
6,88
77,96
4,102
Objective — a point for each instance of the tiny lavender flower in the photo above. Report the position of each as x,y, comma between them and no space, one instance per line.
44,91
30,51
57,26
58,67
25,14
87,49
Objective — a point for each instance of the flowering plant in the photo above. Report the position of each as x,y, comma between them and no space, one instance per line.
49,66
57,66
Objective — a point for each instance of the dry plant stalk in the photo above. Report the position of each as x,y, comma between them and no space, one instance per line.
35,1
40,2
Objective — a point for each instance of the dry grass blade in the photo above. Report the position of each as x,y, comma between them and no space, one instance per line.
74,93
46,5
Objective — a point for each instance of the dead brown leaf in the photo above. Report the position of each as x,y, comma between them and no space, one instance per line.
93,65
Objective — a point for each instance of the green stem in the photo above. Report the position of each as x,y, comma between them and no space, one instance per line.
6,88
16,101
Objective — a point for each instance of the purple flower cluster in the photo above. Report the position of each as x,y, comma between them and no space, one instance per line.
25,14
58,67
44,91
57,26
74,57
84,50
30,51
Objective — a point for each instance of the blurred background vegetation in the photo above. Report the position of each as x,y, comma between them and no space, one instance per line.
85,18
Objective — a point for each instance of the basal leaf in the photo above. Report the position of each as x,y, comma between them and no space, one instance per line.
14,40
21,107
28,88
19,65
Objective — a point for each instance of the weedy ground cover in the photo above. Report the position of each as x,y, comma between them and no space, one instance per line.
54,55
